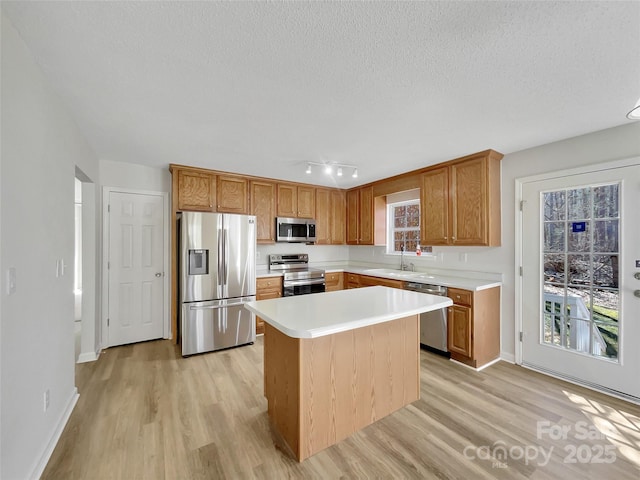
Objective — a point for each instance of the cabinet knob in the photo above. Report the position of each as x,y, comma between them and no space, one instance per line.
457,296
210,205
453,238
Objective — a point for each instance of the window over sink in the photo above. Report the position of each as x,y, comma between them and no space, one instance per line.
403,226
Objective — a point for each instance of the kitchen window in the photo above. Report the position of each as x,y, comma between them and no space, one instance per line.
403,226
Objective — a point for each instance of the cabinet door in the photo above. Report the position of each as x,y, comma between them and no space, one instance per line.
232,194
337,217
366,216
323,216
263,206
469,202
306,202
196,191
333,281
459,330
353,213
434,207
287,200
352,280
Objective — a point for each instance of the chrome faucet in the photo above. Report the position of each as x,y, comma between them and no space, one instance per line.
403,266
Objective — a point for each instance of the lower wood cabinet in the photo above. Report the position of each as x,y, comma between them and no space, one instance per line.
351,280
266,288
334,281
366,281
473,326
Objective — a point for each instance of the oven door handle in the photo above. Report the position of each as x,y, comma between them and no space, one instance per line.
294,283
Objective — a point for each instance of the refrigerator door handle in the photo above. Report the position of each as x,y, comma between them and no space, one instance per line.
226,260
219,287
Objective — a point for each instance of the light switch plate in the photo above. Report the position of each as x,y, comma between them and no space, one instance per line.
11,281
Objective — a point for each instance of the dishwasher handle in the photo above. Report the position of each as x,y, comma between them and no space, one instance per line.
430,289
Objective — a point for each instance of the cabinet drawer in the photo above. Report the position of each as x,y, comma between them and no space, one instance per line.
461,297
333,281
353,278
268,284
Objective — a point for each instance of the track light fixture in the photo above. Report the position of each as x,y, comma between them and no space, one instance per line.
634,114
328,168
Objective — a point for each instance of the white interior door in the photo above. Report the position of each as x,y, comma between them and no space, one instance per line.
581,252
136,283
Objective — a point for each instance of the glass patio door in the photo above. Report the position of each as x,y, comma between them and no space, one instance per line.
581,249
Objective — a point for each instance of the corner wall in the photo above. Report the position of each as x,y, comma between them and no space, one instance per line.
594,148
41,146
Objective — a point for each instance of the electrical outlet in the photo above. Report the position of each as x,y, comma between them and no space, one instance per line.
258,255
46,400
462,257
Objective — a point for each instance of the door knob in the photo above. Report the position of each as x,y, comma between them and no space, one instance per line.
159,274
637,293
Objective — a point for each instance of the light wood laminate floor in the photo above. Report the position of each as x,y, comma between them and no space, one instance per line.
147,413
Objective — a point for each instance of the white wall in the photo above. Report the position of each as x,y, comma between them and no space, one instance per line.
134,177
599,147
41,147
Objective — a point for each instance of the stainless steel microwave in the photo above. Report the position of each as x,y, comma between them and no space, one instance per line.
295,230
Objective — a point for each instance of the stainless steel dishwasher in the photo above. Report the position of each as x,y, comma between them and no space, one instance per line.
433,325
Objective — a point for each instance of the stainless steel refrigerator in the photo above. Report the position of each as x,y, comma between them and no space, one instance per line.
216,263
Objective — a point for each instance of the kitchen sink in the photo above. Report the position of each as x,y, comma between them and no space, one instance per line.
391,272
423,276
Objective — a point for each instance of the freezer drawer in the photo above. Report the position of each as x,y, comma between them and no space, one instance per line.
208,326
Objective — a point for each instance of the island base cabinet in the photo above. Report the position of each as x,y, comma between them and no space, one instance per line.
321,390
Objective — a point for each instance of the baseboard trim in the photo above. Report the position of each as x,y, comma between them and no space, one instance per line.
479,369
88,357
508,357
53,441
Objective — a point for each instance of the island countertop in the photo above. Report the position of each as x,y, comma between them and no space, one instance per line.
319,314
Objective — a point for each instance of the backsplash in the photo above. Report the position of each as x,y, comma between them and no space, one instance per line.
317,253
472,262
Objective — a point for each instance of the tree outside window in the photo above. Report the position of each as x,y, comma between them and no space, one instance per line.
404,223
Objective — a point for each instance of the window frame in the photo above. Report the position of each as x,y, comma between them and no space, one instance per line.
390,233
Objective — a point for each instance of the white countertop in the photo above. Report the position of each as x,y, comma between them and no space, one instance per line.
466,283
318,314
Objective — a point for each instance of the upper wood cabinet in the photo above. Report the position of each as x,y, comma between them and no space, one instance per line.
296,201
330,217
232,194
460,202
434,207
323,216
196,190
360,216
263,206
338,210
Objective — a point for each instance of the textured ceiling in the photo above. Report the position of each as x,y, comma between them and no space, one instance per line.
262,88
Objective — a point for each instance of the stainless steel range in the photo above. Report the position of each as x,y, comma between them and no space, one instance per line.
299,278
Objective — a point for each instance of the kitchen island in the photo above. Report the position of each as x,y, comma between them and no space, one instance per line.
336,362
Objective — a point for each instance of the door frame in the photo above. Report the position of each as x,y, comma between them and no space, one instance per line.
166,255
591,168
